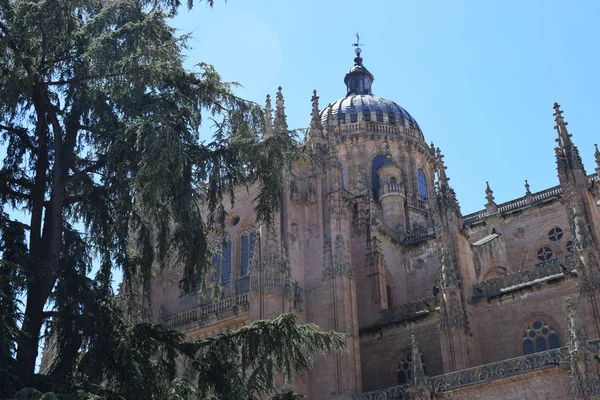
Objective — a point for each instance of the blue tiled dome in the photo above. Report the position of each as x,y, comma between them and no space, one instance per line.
368,107
361,105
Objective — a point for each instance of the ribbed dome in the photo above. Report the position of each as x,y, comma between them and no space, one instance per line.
361,107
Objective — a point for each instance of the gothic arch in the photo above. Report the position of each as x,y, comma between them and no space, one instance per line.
494,272
526,326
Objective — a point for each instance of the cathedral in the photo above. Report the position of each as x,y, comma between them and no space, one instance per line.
370,240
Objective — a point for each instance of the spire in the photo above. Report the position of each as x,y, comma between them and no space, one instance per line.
491,205
418,372
280,119
597,156
567,154
564,138
315,117
489,193
268,119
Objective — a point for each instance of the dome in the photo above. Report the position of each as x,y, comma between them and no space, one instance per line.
361,105
367,107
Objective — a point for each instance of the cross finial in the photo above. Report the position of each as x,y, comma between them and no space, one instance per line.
357,50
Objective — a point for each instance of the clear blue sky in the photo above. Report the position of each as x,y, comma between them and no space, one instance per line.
479,76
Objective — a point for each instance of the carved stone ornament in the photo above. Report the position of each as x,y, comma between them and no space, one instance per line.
294,193
311,190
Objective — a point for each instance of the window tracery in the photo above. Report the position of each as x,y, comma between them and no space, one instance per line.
555,234
544,253
422,184
375,165
404,371
248,240
539,336
221,260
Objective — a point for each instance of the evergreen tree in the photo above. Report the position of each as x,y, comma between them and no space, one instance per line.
100,122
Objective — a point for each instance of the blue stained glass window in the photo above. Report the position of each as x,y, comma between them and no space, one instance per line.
422,184
553,341
539,336
375,165
222,260
341,167
528,347
248,245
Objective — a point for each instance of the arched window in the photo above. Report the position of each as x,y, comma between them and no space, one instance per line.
222,259
539,336
248,246
392,181
341,167
404,371
375,165
422,184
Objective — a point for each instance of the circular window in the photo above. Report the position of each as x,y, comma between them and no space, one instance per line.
234,220
555,234
570,246
544,253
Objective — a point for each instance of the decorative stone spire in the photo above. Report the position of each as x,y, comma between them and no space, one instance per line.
528,194
316,127
597,156
490,206
268,119
567,154
585,372
280,118
446,195
418,372
418,387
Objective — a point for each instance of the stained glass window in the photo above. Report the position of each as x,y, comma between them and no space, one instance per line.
376,164
248,246
555,234
539,336
222,259
422,184
544,253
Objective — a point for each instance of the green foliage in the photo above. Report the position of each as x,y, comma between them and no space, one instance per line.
100,122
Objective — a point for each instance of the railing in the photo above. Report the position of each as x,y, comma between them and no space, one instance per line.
500,369
476,375
203,312
509,282
392,393
416,308
389,188
405,238
522,202
419,236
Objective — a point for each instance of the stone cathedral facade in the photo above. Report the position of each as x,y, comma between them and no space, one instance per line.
370,240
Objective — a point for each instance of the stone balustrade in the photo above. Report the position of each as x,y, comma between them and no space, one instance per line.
389,188
201,313
479,374
414,309
507,283
405,238
522,202
500,369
